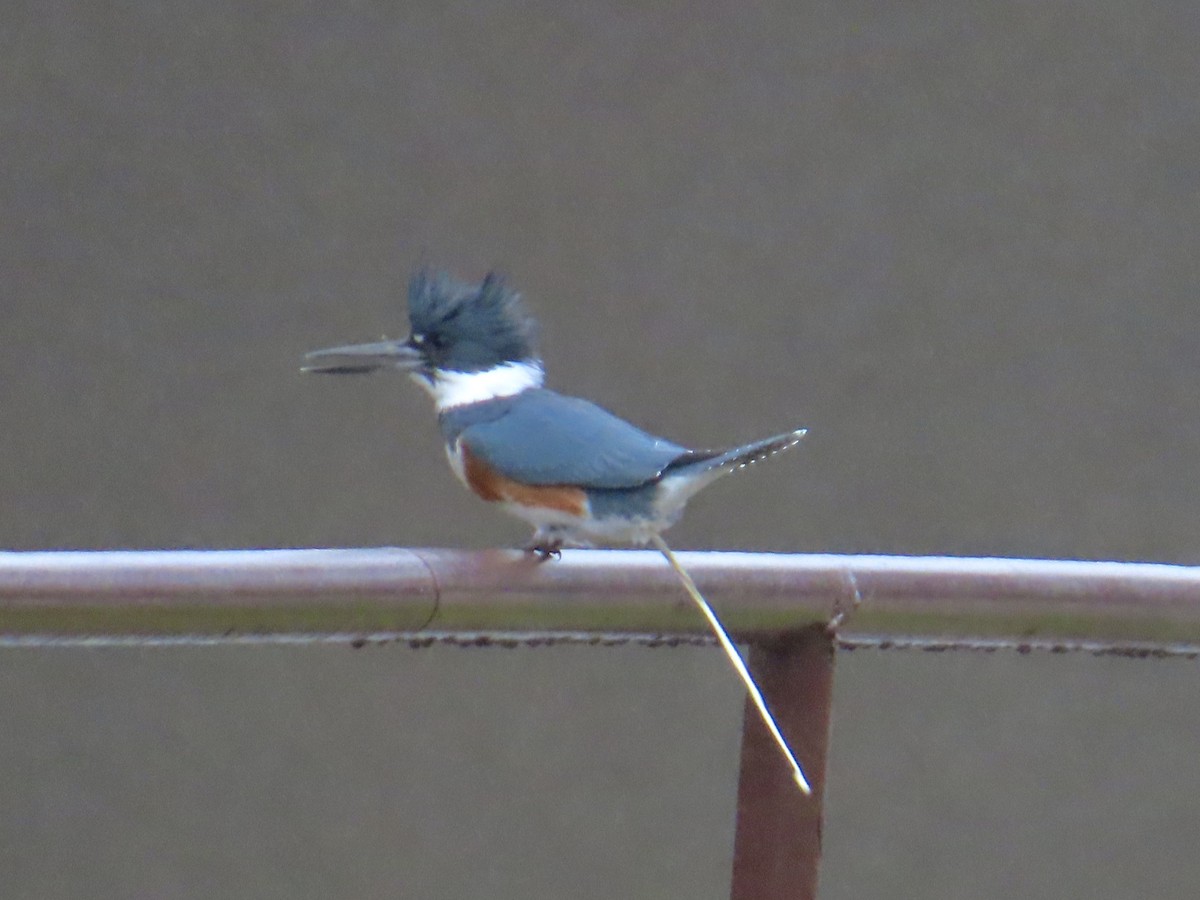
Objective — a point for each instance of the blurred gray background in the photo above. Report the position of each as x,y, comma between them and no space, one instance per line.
956,241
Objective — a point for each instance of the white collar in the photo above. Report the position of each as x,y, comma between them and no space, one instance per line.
452,389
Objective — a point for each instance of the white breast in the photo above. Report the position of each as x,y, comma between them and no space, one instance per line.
454,455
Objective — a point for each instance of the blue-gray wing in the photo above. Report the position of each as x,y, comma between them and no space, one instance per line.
546,438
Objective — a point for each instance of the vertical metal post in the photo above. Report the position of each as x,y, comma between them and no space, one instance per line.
777,849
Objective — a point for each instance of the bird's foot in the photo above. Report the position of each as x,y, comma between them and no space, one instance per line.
544,547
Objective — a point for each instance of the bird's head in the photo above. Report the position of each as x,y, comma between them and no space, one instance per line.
468,342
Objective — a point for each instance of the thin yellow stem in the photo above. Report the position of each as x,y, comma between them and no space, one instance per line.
735,658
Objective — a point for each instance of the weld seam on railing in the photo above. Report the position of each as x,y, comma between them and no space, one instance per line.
537,639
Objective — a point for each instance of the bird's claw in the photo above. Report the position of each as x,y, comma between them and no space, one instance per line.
545,549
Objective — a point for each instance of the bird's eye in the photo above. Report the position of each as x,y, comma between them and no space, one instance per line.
417,340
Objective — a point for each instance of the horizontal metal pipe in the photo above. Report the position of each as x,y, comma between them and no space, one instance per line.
258,592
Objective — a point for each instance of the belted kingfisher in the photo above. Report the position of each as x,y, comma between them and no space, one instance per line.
576,472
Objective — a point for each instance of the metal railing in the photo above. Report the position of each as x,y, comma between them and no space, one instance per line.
779,604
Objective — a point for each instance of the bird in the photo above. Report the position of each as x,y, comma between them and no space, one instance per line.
580,475
575,471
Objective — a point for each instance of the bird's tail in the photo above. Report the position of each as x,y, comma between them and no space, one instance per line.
697,469
740,457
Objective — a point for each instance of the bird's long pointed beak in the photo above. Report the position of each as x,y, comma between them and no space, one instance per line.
360,359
